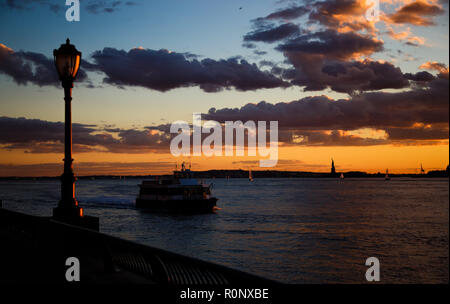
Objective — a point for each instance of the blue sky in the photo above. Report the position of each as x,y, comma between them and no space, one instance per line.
209,28
212,28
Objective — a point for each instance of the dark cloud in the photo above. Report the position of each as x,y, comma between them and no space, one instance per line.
418,13
419,76
30,67
440,67
339,14
331,56
328,59
333,45
267,63
102,6
248,45
259,53
328,14
335,69
54,6
268,31
370,75
163,70
417,116
314,73
270,34
322,120
159,70
40,136
329,138
411,43
20,66
288,13
418,133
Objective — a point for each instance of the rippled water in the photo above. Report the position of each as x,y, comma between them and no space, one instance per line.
291,230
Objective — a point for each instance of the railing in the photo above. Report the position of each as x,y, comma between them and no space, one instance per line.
105,257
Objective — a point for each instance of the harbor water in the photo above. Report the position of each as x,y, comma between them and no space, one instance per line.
298,230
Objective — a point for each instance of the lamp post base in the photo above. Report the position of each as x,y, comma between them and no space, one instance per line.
74,216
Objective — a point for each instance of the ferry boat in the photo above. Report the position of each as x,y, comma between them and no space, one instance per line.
179,193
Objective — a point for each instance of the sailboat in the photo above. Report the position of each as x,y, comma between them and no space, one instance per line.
250,176
422,171
386,177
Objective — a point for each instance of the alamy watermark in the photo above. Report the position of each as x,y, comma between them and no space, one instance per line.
73,12
73,272
256,133
373,10
373,272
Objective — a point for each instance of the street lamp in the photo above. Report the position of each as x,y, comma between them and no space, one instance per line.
67,61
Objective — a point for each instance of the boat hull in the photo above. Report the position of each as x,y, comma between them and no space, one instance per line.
178,206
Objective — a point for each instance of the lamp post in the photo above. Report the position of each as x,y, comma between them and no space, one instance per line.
67,61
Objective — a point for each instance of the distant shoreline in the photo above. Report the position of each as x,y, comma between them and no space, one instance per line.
256,174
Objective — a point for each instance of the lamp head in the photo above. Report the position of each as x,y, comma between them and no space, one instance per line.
67,61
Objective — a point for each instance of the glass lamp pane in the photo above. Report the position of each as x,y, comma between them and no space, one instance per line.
63,65
76,66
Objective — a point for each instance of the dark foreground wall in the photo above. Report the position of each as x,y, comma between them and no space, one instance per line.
34,250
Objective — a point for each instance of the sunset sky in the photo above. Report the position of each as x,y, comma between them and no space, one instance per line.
369,94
